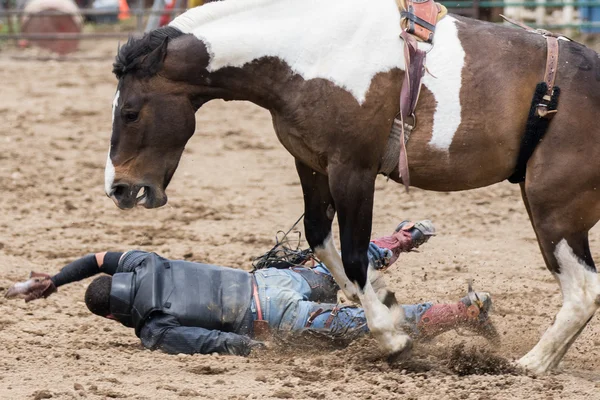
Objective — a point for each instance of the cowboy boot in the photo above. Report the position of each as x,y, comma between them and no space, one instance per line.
471,312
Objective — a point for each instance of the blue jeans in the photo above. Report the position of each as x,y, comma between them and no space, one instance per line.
284,296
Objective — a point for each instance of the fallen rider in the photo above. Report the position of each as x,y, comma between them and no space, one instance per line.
188,307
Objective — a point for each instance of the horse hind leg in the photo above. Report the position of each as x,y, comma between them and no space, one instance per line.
562,231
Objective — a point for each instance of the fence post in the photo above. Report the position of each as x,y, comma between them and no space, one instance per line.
515,12
476,11
9,21
140,16
567,17
540,12
154,18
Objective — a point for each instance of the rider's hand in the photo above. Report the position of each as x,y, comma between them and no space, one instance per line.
39,285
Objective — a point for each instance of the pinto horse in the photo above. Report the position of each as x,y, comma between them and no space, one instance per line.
330,73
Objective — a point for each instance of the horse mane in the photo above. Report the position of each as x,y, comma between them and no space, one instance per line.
130,55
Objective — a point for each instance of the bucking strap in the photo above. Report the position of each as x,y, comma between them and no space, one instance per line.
544,104
535,129
542,110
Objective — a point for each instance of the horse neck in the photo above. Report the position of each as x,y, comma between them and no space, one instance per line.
262,83
251,48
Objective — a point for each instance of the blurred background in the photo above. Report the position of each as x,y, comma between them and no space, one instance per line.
61,25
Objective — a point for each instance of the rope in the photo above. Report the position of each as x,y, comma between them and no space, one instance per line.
286,253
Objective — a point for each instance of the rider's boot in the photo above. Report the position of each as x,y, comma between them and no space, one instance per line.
471,313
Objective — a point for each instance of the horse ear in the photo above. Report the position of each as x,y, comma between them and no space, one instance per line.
153,62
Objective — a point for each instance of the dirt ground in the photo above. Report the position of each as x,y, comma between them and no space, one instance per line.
235,188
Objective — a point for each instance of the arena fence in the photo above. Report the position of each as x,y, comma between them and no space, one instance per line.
11,18
571,16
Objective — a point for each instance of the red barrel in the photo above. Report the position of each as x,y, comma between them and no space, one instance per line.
69,22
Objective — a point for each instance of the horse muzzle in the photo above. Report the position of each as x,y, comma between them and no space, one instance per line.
127,196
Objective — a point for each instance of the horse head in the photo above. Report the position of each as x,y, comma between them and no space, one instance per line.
153,118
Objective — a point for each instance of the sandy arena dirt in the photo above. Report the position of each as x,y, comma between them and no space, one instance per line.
235,188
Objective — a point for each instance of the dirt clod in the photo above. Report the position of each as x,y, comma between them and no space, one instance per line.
42,394
473,361
283,394
207,370
188,393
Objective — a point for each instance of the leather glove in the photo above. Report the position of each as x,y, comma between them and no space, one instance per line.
379,256
39,285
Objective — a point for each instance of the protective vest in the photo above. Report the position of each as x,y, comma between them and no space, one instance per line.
201,295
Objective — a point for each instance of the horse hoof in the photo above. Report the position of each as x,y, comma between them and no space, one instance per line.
532,365
402,355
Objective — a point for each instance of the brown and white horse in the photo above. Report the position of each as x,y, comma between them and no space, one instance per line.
329,71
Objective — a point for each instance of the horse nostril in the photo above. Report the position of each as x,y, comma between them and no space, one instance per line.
120,190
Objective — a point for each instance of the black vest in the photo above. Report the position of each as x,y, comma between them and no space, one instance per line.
201,295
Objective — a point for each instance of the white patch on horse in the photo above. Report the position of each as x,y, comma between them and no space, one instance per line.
445,62
328,254
109,175
346,42
384,323
580,288
109,171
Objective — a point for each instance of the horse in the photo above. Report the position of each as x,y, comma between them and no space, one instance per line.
330,73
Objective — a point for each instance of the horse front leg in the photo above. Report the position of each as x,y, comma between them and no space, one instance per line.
352,190
319,210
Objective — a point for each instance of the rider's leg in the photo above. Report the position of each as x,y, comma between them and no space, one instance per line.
423,320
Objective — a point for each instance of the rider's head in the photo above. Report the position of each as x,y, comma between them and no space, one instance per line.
97,296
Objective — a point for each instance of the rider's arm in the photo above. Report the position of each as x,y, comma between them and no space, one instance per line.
43,285
106,262
163,332
87,266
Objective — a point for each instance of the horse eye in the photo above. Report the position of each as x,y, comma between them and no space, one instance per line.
131,116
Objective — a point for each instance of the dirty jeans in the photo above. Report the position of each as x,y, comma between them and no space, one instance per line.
284,297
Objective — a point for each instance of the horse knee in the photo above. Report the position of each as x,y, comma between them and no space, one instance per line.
317,231
356,265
